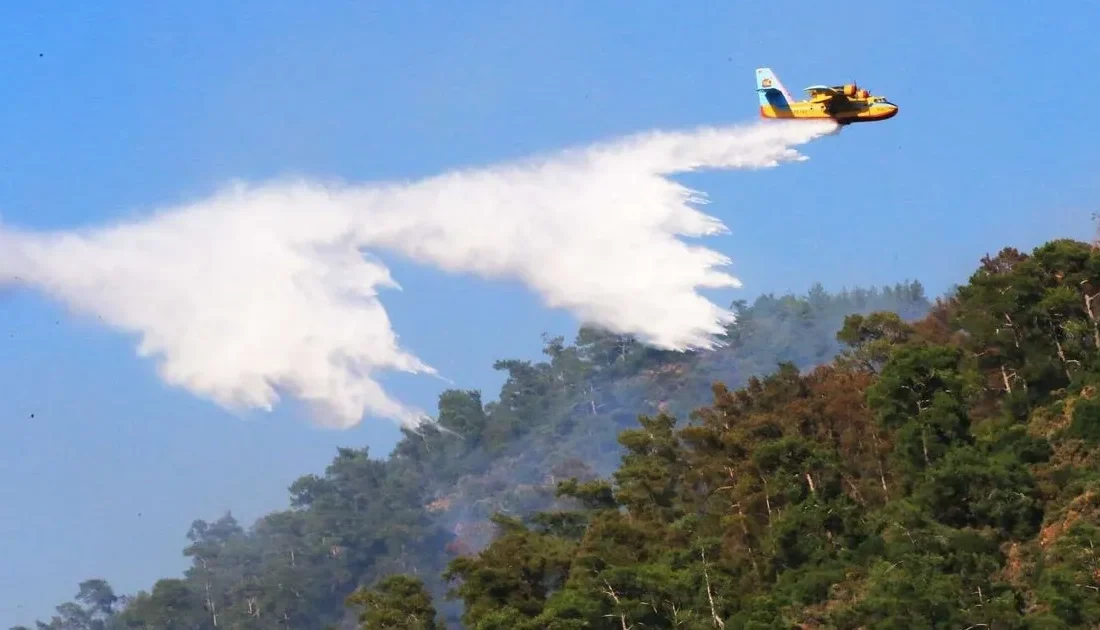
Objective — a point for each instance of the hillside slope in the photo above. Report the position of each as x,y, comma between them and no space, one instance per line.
940,474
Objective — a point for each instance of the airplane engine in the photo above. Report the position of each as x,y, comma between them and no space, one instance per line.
863,93
849,90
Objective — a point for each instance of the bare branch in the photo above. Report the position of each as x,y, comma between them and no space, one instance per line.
710,596
622,616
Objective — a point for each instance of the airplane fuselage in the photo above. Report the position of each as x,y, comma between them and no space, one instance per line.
851,112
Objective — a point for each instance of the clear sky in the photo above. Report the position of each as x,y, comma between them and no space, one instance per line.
112,108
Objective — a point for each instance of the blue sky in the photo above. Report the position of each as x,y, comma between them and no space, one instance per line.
114,108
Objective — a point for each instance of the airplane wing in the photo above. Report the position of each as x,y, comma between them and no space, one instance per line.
823,90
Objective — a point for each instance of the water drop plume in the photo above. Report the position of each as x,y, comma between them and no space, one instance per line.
270,289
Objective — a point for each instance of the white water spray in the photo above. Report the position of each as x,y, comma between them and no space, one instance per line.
262,289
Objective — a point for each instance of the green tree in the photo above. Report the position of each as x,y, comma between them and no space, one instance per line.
396,602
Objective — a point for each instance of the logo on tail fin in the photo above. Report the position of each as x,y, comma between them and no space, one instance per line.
766,83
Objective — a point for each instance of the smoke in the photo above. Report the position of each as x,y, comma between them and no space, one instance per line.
267,289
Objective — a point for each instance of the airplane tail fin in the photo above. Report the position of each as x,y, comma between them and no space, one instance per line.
771,91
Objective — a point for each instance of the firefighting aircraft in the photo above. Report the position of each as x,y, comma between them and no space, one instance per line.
845,104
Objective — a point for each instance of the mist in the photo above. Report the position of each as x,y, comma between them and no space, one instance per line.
269,289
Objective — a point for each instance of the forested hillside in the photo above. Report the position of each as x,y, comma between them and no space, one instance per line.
866,460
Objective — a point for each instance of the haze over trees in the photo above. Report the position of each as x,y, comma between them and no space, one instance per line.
868,459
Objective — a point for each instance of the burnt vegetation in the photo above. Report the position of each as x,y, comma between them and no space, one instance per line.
867,459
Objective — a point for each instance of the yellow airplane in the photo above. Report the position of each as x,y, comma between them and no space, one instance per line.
845,104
